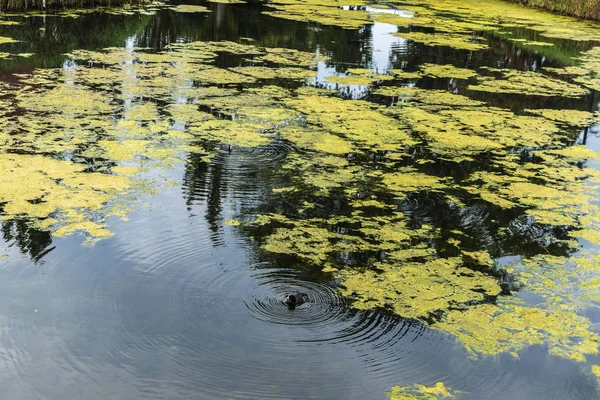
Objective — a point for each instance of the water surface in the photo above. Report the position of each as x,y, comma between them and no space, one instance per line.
169,176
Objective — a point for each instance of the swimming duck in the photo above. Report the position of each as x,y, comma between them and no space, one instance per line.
226,147
361,195
295,299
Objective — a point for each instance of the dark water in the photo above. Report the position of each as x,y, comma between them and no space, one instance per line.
179,305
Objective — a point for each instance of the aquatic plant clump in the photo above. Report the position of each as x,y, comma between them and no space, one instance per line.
326,12
416,290
4,40
455,41
190,8
422,392
447,71
528,83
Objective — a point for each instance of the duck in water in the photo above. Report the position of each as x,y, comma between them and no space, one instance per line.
226,147
295,299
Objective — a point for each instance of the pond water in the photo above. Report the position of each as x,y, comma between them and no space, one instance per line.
425,172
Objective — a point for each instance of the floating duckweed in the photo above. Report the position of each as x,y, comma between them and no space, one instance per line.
326,12
446,136
359,77
435,98
567,117
421,392
568,71
447,71
277,73
4,40
316,139
221,47
489,329
213,75
399,74
479,257
38,187
577,152
418,290
309,241
189,8
290,57
498,15
427,18
241,133
525,42
357,120
455,41
408,180
565,284
92,228
528,83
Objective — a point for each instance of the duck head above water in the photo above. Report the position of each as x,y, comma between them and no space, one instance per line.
295,299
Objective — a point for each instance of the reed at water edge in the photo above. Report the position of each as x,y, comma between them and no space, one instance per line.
29,5
588,9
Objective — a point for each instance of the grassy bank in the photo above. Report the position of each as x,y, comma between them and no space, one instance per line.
589,9
28,5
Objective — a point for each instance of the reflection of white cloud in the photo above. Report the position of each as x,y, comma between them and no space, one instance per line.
382,44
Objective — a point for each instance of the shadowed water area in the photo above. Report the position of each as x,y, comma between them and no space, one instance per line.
426,172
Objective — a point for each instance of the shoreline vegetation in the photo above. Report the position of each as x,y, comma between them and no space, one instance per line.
36,5
586,9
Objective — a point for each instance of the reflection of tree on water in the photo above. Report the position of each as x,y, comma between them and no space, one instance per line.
204,181
344,46
33,242
62,35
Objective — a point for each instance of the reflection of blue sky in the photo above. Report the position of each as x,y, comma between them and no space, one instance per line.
381,46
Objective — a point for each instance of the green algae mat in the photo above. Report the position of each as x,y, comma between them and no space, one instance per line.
426,171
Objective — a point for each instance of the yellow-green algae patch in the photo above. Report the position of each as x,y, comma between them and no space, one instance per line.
357,120
189,8
39,187
4,40
447,71
430,98
289,57
567,117
400,74
326,12
596,371
455,41
422,392
587,73
508,327
564,283
359,76
317,139
300,74
502,16
408,180
418,290
528,83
